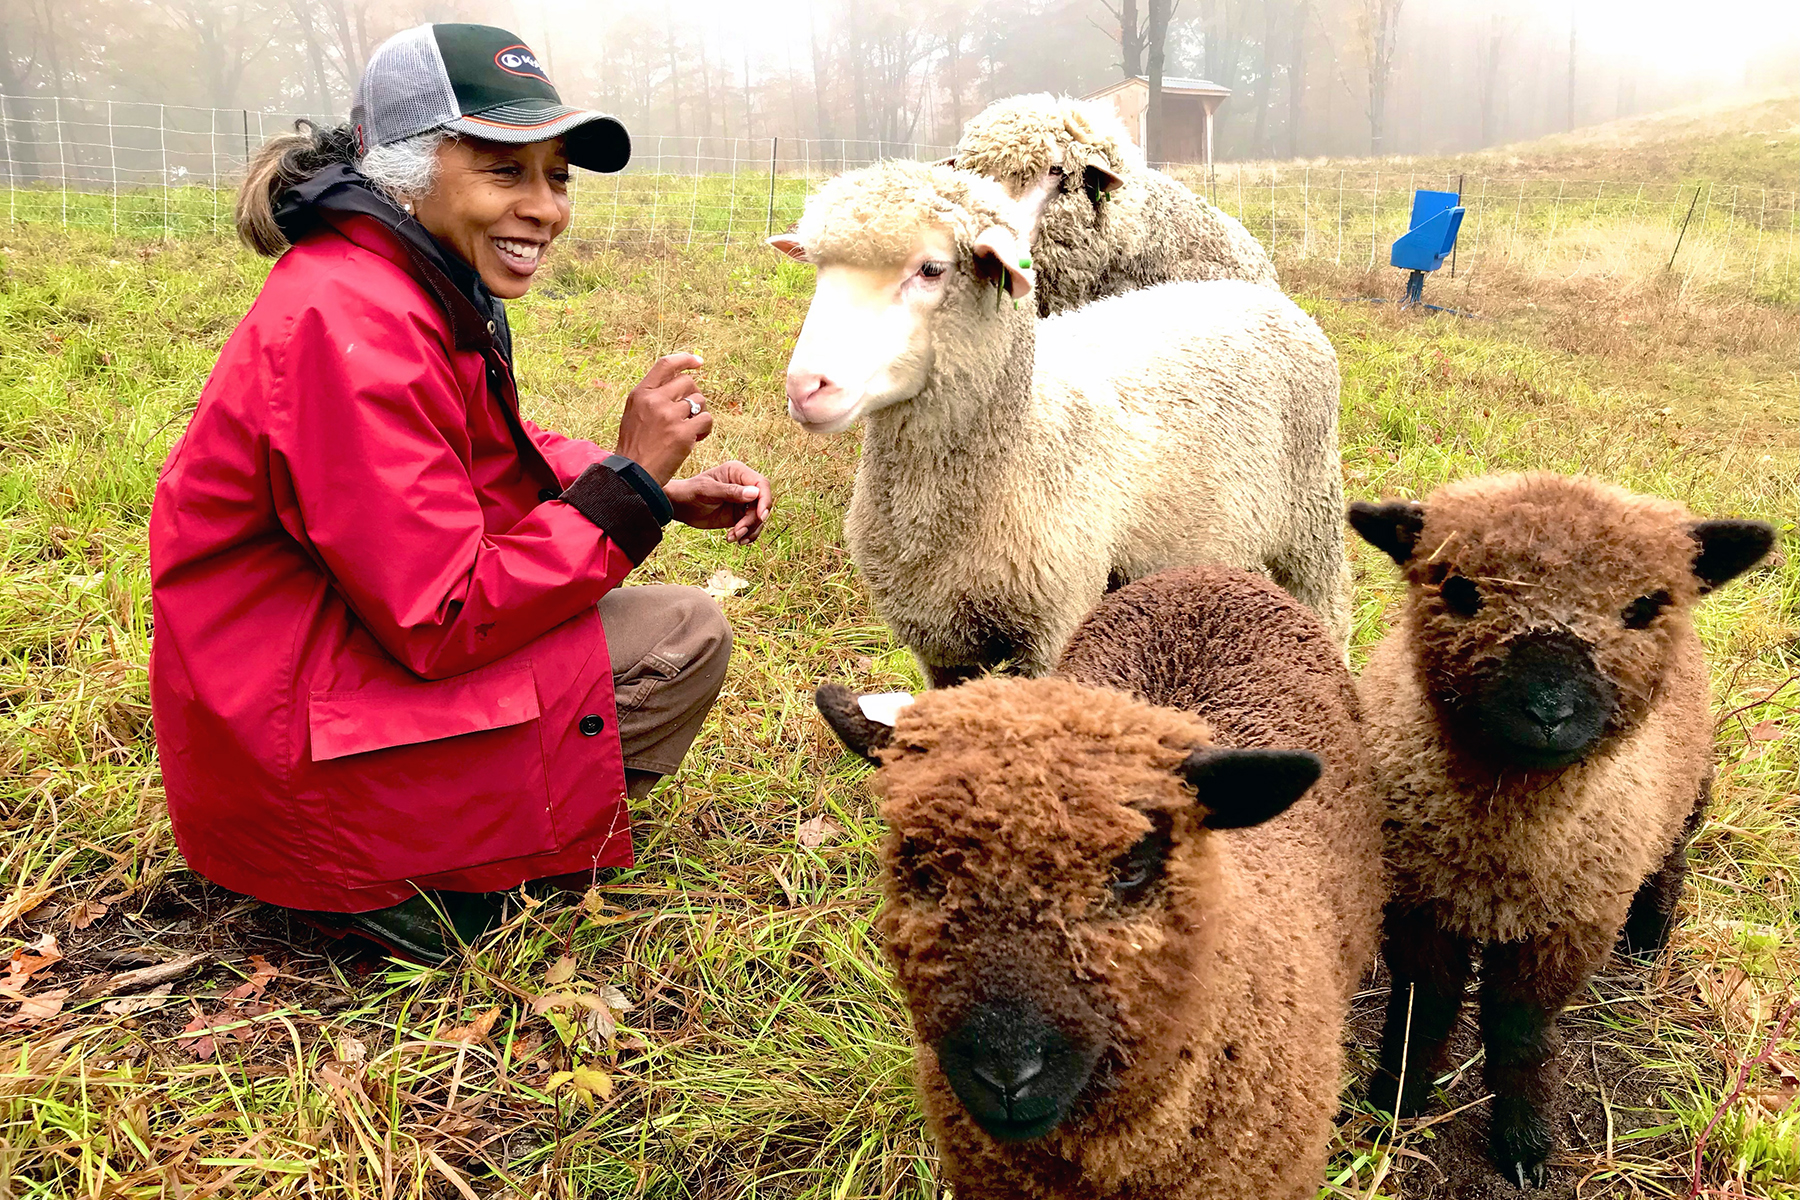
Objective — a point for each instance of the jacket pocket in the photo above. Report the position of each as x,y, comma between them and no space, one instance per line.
423,777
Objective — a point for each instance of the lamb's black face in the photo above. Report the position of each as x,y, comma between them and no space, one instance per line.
1542,704
1016,1072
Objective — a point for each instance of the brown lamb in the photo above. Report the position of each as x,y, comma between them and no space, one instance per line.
1539,725
1128,960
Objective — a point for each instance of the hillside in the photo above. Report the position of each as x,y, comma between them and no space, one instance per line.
1753,142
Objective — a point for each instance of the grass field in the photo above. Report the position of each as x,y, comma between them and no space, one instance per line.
752,1046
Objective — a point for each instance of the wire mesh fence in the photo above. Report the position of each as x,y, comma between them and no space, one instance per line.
163,170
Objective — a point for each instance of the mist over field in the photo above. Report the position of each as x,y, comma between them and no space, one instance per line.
1445,75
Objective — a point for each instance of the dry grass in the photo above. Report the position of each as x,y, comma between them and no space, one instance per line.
761,1052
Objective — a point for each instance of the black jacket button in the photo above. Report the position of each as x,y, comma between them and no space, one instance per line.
546,495
592,724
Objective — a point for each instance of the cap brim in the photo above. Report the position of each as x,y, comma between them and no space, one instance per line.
593,140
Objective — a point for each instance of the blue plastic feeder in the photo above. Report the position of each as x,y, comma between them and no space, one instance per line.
1436,216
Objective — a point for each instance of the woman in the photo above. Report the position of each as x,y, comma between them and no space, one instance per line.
394,673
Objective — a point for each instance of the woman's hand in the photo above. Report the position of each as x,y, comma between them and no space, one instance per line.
728,494
665,417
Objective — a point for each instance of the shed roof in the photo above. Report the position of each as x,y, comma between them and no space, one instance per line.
1170,85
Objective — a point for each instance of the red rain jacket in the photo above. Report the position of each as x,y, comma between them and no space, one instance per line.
377,663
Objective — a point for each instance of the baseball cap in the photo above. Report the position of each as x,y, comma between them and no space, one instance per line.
478,80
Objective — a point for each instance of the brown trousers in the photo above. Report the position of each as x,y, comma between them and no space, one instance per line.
669,646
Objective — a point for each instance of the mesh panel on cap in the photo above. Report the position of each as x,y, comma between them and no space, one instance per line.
404,88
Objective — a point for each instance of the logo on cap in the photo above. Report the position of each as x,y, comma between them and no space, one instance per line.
519,60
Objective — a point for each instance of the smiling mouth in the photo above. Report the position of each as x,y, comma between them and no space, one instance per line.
520,256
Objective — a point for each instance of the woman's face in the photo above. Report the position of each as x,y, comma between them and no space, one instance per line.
499,207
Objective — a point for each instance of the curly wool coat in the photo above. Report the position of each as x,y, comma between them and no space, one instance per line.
1507,854
1045,459
1098,238
1221,1002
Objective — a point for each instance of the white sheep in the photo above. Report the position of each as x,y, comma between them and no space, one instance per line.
1014,469
1113,224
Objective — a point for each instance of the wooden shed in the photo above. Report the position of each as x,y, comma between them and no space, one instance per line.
1188,108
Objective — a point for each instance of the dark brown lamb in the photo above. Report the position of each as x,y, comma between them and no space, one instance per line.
1128,960
1539,725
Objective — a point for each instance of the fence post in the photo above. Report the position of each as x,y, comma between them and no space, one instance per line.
1762,214
212,153
769,222
6,136
731,204
246,113
1305,211
62,165
1684,225
162,138
112,158
1340,240
1271,214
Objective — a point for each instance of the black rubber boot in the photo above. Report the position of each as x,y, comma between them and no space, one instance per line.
412,929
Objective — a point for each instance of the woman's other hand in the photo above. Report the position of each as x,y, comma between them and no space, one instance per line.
730,494
665,417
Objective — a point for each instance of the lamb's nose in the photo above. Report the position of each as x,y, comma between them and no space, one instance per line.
1007,1074
803,387
1550,707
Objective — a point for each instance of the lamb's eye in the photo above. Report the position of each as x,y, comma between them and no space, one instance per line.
1645,609
933,269
1461,595
1141,866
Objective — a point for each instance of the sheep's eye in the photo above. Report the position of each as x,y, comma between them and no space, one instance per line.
933,269
1461,595
1141,866
1645,609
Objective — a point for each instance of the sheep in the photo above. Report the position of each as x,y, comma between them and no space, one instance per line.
1010,474
1538,725
1128,935
1114,224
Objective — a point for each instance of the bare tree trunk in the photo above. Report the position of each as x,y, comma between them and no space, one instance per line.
1569,103
674,72
1296,78
822,114
1153,118
1378,22
1264,70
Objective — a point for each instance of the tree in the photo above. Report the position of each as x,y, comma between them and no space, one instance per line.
1378,28
1131,36
230,36
1157,40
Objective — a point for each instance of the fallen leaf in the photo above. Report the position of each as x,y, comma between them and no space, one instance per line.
723,583
561,971
613,998
475,1030
589,1083
549,1001
810,835
86,912
21,902
600,1025
36,1008
261,975
1766,731
126,1005
351,1051
25,962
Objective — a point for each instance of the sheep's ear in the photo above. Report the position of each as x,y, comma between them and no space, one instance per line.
1392,526
1241,788
945,162
997,248
1726,549
1098,177
864,723
789,245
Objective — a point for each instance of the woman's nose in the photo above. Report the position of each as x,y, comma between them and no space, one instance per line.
541,203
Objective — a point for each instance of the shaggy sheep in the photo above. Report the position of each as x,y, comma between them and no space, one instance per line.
1013,468
1113,224
1126,957
1538,723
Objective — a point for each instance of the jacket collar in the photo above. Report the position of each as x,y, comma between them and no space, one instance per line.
340,193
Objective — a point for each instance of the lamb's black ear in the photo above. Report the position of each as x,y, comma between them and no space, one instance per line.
1241,788
842,710
1727,549
1392,526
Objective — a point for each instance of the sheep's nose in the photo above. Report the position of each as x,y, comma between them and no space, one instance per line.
1550,707
807,388
1007,1074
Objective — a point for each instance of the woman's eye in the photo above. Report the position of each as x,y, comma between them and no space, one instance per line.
1461,595
1645,609
932,270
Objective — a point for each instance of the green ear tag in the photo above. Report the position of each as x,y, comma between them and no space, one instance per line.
1025,263
1015,304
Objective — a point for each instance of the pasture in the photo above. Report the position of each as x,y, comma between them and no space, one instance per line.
717,1022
